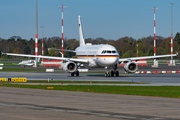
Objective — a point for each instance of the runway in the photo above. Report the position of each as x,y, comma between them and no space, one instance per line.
151,79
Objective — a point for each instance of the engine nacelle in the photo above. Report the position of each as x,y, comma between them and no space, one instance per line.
130,67
69,67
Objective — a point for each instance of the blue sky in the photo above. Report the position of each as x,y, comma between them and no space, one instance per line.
109,19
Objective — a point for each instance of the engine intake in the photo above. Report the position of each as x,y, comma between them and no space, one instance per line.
69,67
130,67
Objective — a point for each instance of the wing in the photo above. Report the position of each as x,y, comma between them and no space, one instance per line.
49,57
146,57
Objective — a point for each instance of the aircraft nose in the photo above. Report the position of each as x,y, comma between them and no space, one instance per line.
107,61
111,61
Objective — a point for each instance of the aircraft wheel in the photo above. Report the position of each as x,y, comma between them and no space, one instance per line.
117,73
72,74
112,73
77,73
109,75
106,74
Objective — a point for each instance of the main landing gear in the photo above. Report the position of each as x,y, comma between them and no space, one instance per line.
75,73
113,73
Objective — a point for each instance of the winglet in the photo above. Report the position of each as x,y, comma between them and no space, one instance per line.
81,38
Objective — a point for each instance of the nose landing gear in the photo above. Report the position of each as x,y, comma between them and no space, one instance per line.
107,74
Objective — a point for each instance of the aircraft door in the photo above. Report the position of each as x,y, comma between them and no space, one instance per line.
95,54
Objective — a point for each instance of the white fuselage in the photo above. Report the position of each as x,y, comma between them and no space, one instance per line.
103,55
27,62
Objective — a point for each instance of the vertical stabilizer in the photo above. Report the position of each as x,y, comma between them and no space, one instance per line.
81,38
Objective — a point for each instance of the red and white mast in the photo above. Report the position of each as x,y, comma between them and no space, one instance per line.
36,44
36,35
154,31
155,62
42,47
171,43
62,8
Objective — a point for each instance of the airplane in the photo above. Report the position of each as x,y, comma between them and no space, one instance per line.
100,55
27,63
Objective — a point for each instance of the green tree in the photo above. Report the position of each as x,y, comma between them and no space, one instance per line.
127,54
177,38
160,51
27,50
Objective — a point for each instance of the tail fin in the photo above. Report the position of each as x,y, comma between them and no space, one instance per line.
81,38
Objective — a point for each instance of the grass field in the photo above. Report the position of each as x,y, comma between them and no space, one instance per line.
158,91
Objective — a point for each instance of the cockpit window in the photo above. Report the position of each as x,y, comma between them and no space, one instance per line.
104,51
108,51
113,51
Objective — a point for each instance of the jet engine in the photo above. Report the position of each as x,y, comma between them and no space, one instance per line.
70,67
130,67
